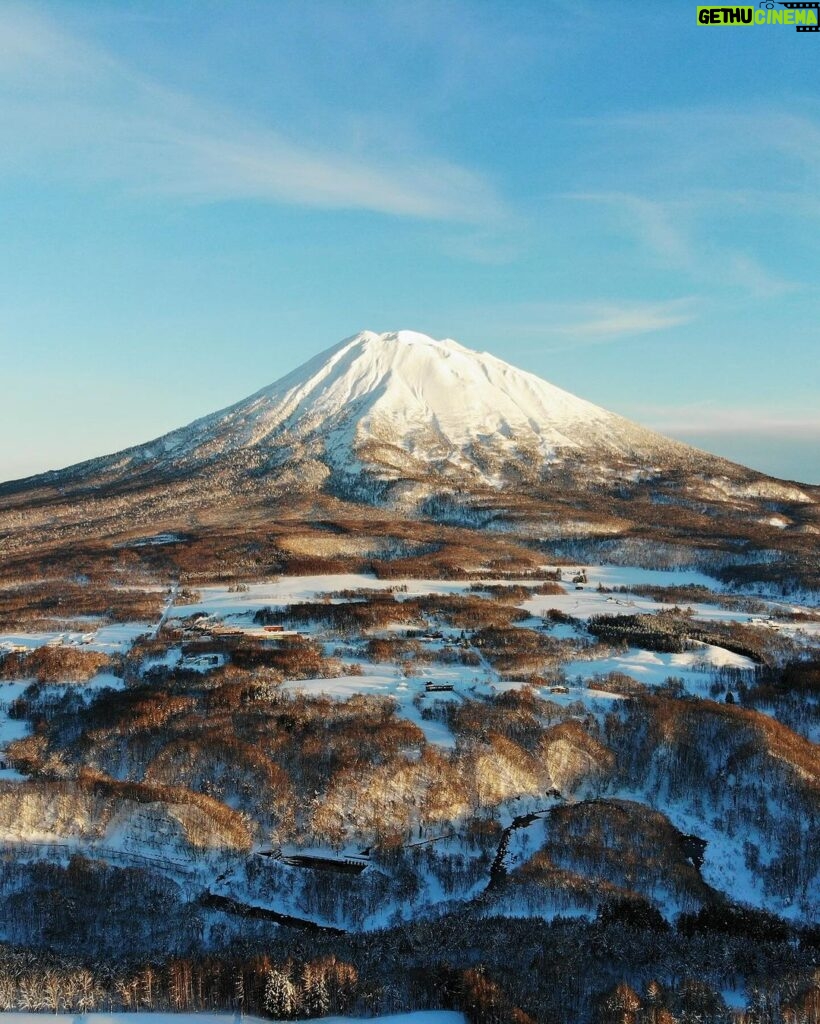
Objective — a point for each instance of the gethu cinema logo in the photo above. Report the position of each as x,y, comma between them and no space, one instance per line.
804,16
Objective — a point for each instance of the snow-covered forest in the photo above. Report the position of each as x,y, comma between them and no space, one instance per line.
345,794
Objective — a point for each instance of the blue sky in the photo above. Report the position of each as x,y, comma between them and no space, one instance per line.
195,197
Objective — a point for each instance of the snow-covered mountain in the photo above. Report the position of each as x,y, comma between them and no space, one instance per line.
433,399
396,406
404,428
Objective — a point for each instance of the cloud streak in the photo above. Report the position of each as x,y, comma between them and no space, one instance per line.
567,326
606,323
721,139
72,111
668,230
709,418
694,187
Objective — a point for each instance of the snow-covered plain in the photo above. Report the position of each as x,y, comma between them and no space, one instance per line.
221,601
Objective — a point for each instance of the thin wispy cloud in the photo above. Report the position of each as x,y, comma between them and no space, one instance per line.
727,135
606,323
671,232
651,220
563,326
712,418
692,187
785,446
70,110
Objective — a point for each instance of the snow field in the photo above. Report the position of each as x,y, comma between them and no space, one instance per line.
220,602
387,680
116,638
694,667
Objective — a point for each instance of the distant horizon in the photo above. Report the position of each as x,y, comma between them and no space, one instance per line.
196,198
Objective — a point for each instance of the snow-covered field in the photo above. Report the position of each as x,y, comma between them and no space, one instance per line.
115,638
694,668
222,602
388,681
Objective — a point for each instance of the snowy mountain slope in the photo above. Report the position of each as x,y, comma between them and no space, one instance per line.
384,401
421,430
